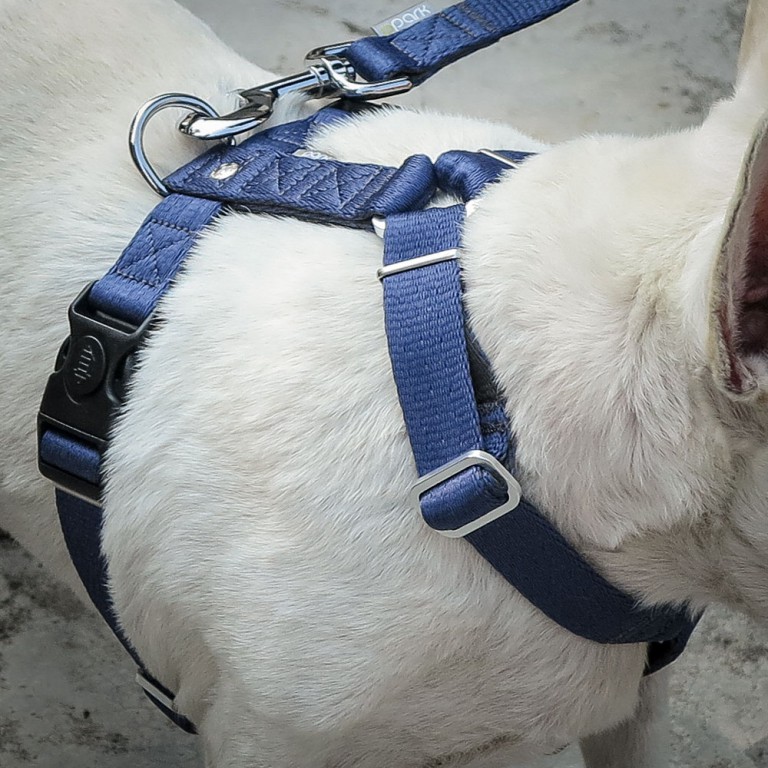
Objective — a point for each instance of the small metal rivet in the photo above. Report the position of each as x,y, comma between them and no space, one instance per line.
225,171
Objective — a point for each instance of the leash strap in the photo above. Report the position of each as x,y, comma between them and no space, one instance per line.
423,49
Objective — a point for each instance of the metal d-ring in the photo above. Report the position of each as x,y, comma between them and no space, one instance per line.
139,123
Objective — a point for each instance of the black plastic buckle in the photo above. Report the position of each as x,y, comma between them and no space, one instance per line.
88,384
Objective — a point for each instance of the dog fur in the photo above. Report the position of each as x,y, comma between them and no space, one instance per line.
263,557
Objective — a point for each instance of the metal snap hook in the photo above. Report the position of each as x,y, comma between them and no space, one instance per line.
139,123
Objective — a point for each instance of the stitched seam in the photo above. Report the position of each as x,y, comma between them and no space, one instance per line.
364,189
296,181
476,16
129,276
333,177
169,225
458,25
430,39
244,163
405,53
153,255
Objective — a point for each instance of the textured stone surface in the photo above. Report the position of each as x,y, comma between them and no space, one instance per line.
67,697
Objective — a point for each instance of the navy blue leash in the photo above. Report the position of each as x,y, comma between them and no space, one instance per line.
363,70
455,417
423,49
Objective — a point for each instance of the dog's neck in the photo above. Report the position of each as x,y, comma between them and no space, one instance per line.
597,322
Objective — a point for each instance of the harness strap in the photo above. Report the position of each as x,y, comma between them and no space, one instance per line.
423,49
467,174
81,524
264,175
83,393
454,414
451,423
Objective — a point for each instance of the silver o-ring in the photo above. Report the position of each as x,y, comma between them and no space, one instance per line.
139,123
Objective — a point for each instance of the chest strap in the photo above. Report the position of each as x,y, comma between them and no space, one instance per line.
108,322
464,454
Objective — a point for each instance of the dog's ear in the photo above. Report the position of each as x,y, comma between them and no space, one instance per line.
752,75
754,39
740,287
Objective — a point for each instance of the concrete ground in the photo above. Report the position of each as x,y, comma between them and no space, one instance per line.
67,699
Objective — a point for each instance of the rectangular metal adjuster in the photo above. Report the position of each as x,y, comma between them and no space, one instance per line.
155,693
420,261
455,467
500,158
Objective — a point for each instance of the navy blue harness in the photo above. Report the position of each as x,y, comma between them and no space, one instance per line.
454,413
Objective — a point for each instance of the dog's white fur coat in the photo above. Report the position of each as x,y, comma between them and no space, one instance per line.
263,557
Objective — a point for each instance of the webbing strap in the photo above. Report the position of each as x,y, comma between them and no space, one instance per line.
123,299
447,415
423,49
83,394
467,174
133,286
264,175
81,524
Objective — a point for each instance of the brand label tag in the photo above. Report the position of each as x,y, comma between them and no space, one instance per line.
403,20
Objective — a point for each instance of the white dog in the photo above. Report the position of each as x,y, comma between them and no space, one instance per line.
264,559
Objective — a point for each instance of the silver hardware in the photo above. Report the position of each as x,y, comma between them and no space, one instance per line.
500,158
420,261
156,693
139,123
212,127
329,75
225,171
452,468
258,103
80,496
360,89
379,225
334,49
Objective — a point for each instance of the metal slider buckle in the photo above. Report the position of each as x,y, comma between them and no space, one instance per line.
455,467
417,263
155,693
329,75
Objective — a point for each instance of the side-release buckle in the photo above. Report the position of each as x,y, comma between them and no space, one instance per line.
451,469
88,383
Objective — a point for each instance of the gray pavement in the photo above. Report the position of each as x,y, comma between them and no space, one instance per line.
67,699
